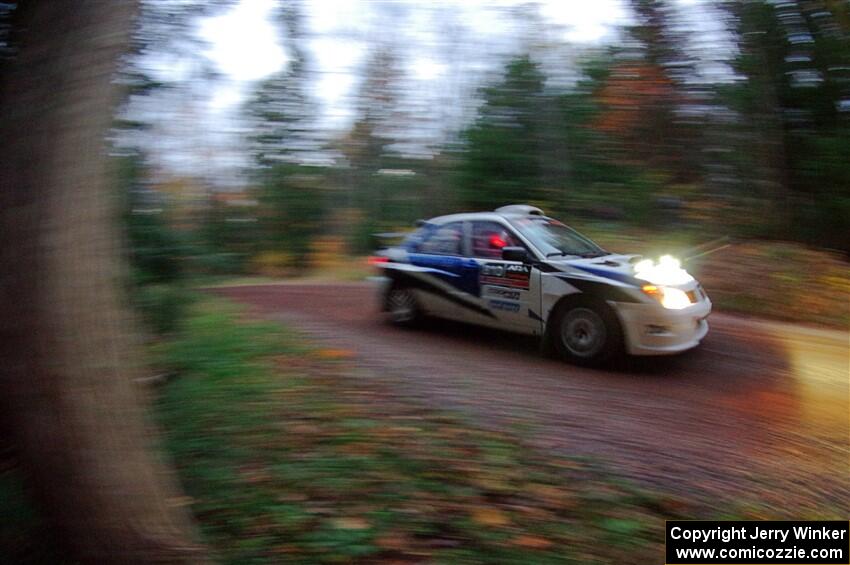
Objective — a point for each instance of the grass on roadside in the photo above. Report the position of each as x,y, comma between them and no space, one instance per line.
283,456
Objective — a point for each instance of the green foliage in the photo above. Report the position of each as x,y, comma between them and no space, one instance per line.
389,200
362,237
529,145
163,306
822,215
155,249
209,261
229,236
501,163
292,209
156,252
794,100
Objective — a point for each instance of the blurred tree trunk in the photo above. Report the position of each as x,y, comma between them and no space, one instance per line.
66,339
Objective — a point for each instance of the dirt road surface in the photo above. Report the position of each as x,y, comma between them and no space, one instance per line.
759,412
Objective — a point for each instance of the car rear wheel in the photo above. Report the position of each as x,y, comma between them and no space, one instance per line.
587,333
401,306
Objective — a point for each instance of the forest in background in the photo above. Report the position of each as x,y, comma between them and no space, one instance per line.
644,145
640,138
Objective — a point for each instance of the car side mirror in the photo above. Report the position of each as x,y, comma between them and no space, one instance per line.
515,254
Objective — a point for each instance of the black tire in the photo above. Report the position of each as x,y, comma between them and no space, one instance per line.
401,307
586,332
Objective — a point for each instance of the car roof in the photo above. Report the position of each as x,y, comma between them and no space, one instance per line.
504,213
466,216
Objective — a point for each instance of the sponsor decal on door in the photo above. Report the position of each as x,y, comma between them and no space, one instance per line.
504,305
503,293
511,276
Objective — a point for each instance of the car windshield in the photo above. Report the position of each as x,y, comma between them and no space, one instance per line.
554,238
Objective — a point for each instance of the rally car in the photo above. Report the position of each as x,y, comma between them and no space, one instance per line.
518,270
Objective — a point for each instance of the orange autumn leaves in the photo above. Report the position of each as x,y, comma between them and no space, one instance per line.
638,105
631,93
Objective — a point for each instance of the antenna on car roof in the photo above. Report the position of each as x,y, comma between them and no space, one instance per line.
520,209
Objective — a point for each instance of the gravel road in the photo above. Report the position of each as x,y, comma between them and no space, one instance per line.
761,410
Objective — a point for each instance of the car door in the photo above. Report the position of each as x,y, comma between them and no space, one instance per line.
509,289
448,278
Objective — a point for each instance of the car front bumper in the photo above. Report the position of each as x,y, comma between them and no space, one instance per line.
651,329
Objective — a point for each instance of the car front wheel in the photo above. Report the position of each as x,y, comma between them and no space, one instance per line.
587,333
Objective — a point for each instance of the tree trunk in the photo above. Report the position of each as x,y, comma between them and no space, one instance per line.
69,354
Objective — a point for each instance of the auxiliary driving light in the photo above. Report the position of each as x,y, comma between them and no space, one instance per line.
667,271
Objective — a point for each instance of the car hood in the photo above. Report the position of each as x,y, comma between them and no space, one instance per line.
621,268
614,267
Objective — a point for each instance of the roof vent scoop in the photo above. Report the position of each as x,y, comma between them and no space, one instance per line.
520,210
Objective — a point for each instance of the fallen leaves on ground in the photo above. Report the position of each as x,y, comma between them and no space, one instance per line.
490,517
289,459
351,523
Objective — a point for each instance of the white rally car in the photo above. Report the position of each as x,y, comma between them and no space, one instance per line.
516,269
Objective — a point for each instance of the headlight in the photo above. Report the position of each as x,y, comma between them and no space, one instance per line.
670,298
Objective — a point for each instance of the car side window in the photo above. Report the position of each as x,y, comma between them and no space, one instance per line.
489,238
415,238
445,240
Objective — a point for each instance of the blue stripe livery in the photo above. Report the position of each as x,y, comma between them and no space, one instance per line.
459,272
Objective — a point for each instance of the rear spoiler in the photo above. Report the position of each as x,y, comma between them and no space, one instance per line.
388,239
384,239
390,235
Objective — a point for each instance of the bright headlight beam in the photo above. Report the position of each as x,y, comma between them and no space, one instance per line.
667,271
